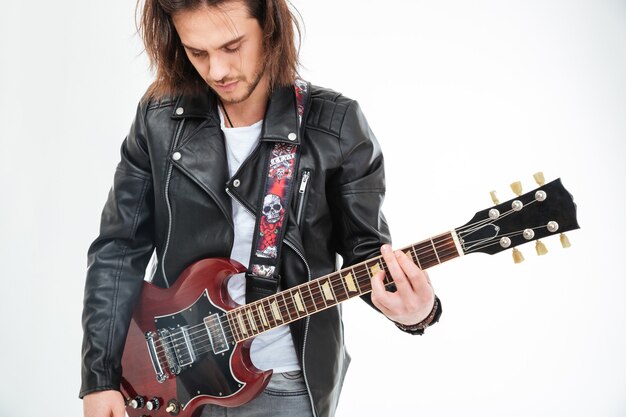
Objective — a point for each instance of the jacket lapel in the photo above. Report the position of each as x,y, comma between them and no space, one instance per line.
200,153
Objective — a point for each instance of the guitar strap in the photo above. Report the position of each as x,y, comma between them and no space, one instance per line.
263,274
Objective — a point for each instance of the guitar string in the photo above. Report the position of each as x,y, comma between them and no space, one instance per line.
289,302
202,343
250,310
308,300
461,229
204,336
364,279
316,292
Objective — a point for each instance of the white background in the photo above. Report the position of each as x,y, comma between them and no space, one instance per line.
465,97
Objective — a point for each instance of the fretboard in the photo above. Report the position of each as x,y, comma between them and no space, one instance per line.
319,294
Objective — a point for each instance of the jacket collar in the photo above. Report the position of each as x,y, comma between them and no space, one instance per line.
281,116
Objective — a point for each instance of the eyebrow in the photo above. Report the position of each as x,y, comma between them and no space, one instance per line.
227,44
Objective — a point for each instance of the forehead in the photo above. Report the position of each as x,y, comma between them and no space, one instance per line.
210,26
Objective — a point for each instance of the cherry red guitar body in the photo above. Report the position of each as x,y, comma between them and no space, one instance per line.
180,352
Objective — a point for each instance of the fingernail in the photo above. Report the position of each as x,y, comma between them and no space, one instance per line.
385,248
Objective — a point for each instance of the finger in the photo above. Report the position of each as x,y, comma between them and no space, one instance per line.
380,296
414,274
395,270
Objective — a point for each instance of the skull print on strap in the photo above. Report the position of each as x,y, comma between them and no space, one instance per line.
262,276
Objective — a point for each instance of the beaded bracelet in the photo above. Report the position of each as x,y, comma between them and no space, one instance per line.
422,325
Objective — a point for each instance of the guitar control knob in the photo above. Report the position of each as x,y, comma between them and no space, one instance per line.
137,402
153,404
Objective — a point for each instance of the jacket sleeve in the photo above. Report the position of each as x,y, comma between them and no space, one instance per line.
116,263
358,195
358,191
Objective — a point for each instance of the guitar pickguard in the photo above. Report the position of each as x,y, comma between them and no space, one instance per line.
190,357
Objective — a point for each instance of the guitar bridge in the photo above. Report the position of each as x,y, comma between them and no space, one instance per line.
177,347
161,376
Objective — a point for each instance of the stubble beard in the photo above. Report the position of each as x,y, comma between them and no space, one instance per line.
251,87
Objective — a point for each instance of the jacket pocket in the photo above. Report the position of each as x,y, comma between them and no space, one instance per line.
303,186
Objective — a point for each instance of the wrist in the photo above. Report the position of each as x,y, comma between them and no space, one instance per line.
418,328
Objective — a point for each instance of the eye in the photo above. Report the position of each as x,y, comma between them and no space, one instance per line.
232,49
197,54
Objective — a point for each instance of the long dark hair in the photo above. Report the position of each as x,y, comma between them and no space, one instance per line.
174,72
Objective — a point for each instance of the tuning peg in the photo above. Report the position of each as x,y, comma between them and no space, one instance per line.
494,198
565,241
539,178
540,248
517,256
517,188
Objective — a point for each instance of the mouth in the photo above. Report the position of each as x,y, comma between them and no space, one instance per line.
226,87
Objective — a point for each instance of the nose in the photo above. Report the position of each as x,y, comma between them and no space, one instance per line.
218,68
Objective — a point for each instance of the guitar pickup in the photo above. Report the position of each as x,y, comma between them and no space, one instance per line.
178,348
185,353
216,334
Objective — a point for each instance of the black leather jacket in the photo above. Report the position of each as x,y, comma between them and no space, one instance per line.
172,196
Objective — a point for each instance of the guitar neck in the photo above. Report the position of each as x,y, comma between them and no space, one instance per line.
319,294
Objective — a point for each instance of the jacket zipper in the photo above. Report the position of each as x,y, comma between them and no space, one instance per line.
168,204
306,175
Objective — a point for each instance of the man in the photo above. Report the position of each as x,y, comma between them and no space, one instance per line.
191,172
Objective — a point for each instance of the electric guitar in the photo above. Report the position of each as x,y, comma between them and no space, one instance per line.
188,345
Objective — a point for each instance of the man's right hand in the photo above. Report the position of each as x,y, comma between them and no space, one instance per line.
104,404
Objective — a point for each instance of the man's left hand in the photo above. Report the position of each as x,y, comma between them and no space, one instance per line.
414,299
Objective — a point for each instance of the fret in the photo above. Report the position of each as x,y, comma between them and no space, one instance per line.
328,292
320,297
242,325
435,250
262,316
244,314
415,257
299,302
447,247
340,287
374,269
361,274
286,306
350,281
387,279
268,313
251,320
246,319
275,311
234,329
426,255
310,302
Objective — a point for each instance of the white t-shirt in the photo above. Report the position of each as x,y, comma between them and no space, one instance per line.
273,349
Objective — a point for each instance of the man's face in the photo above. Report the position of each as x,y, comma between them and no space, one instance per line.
225,46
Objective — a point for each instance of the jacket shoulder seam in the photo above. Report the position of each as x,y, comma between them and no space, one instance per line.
160,104
327,113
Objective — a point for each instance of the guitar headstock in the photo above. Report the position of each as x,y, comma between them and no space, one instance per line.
546,211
